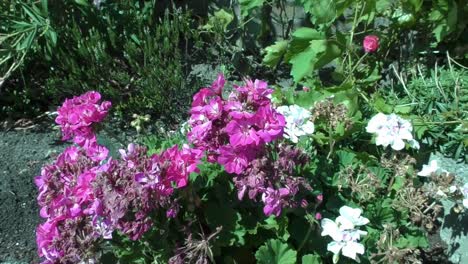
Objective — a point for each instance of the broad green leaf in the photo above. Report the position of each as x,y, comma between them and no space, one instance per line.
346,157
413,240
322,11
307,99
318,53
306,33
311,259
220,17
380,105
304,62
275,52
301,41
275,252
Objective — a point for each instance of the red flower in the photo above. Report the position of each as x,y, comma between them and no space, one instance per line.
370,43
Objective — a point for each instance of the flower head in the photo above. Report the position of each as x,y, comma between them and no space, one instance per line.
344,232
391,130
370,43
297,122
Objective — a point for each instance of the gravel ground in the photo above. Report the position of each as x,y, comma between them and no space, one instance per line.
21,157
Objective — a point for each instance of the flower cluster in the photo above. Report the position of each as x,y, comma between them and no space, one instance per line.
76,118
66,198
297,122
345,233
127,191
273,180
233,130
85,197
391,130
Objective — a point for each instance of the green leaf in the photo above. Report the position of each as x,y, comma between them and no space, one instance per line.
248,5
311,259
301,40
275,52
322,11
304,62
414,240
82,2
275,252
380,105
403,109
399,183
346,157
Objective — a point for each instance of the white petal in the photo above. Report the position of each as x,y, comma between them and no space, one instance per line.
405,134
376,123
352,248
344,223
398,144
308,127
330,228
383,140
335,247
353,215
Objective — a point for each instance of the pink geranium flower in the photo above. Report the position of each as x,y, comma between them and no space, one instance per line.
242,133
370,43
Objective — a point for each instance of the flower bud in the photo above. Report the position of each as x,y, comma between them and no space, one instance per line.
370,43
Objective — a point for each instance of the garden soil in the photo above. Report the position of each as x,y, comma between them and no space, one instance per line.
22,154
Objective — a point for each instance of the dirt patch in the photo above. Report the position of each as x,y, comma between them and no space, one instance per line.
21,156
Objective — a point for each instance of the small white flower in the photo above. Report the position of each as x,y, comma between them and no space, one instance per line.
344,233
428,169
297,122
391,130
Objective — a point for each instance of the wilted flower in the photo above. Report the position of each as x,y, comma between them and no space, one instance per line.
297,121
428,169
370,43
344,232
391,130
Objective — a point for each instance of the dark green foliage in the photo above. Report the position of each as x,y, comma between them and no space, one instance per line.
134,54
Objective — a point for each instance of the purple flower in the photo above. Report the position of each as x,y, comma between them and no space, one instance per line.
273,200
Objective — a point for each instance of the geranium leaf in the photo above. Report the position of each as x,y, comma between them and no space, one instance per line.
276,252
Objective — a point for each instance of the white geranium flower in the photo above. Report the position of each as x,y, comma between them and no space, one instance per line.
297,122
350,218
391,130
428,169
344,233
350,249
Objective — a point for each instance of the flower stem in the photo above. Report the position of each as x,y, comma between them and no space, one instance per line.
306,237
